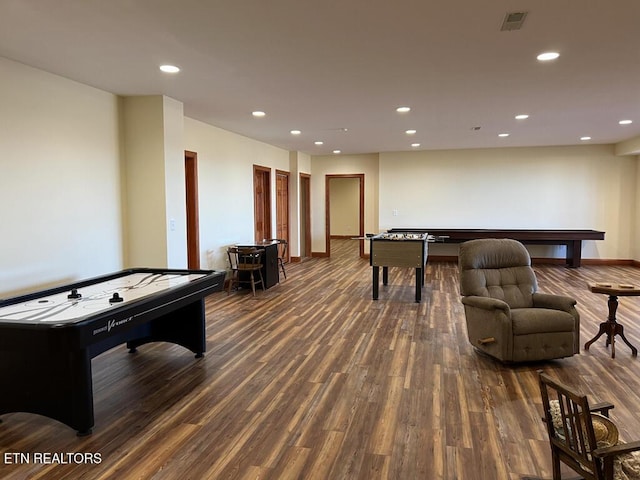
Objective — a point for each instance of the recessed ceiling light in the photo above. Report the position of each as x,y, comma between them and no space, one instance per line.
625,122
295,132
337,151
522,116
415,145
403,109
503,134
319,142
410,132
546,56
169,68
585,138
258,113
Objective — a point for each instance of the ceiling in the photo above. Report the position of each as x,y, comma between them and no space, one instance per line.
337,70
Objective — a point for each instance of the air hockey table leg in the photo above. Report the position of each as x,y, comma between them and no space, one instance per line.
184,326
56,385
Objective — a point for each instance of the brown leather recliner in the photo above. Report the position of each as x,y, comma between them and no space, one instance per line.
506,317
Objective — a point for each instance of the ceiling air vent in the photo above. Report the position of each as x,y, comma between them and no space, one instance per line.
513,21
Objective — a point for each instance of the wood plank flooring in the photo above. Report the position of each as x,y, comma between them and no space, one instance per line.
314,380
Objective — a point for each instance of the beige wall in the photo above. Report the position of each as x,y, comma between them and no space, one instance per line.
549,187
91,182
299,163
144,175
225,186
153,162
59,180
174,181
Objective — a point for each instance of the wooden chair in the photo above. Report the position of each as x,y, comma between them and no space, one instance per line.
282,253
574,441
245,262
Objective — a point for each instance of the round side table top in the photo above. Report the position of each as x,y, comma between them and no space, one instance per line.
617,289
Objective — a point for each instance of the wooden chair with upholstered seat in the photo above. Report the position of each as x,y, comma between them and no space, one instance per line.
581,436
245,262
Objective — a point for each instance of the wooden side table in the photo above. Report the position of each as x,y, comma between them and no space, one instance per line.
611,327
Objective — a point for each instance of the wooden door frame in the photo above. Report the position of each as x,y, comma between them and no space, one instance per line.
306,186
286,174
327,223
264,172
192,215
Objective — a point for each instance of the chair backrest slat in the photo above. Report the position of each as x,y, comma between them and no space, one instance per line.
568,419
244,256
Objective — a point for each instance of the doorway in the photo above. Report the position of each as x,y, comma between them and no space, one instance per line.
191,191
360,216
262,202
282,208
305,215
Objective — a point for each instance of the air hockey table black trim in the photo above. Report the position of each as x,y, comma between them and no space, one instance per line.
45,368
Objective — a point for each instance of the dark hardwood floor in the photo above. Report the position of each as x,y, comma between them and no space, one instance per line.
314,380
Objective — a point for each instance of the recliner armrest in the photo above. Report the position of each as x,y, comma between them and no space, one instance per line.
486,303
554,302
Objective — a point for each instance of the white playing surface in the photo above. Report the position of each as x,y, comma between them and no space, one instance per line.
95,298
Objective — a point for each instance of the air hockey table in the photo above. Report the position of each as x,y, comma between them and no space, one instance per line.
48,338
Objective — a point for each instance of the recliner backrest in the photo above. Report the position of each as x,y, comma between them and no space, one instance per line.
497,268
